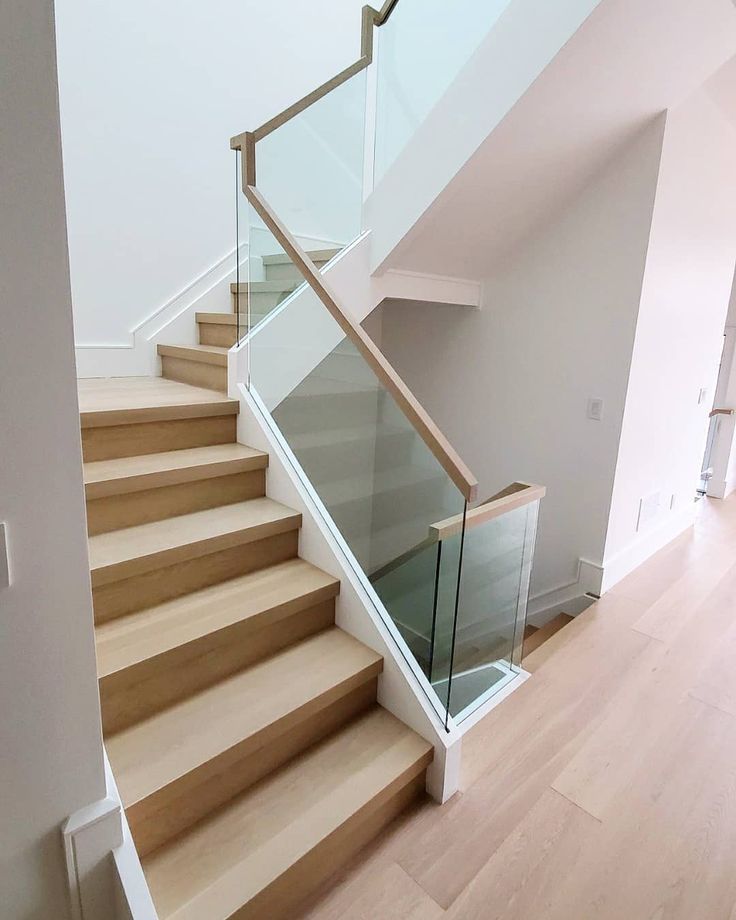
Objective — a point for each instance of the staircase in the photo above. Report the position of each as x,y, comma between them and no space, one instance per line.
241,724
205,364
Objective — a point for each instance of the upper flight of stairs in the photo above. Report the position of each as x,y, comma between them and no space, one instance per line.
241,724
205,365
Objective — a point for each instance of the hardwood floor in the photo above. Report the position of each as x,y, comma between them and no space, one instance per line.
605,787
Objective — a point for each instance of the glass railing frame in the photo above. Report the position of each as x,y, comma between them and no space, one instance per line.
244,146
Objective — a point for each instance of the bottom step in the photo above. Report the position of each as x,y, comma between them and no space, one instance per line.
264,852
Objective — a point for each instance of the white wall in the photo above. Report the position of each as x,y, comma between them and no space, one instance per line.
509,384
51,762
679,333
150,95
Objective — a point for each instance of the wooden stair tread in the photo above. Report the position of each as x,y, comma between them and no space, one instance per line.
316,255
534,640
220,319
205,354
127,400
120,553
250,705
131,639
148,471
266,287
225,861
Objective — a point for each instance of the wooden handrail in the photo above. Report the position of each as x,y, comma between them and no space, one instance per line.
722,412
440,447
509,499
371,19
438,444
516,496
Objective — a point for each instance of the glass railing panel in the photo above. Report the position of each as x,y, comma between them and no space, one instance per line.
421,49
310,169
379,483
483,646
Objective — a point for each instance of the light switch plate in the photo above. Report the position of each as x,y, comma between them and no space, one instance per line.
4,561
595,408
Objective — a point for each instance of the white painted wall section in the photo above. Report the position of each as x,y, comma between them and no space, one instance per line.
509,384
679,335
51,764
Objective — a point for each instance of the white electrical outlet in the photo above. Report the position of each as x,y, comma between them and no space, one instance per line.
595,408
4,561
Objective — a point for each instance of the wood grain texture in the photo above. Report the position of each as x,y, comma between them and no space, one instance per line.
125,400
532,655
196,373
131,474
162,584
132,508
300,824
604,787
146,547
437,443
116,441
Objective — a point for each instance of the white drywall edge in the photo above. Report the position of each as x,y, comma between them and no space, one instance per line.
132,898
399,686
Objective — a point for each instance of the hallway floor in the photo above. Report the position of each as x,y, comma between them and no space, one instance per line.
605,787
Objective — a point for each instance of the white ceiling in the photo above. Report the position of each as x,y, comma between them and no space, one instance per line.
630,61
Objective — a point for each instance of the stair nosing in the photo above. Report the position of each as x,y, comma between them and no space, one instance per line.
122,483
128,566
252,736
266,615
357,796
199,354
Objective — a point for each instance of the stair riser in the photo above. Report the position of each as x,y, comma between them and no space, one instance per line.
217,334
286,272
327,464
111,442
261,302
282,899
195,373
138,692
153,587
181,804
305,413
117,511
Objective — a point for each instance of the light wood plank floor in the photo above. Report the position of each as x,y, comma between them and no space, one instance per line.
603,789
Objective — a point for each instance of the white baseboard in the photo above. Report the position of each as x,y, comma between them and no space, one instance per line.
570,597
640,549
720,488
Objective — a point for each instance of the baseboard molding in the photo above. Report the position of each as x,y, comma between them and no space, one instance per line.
720,488
572,597
640,549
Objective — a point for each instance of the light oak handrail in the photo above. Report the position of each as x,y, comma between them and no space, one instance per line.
509,499
440,447
438,444
715,412
516,496
371,19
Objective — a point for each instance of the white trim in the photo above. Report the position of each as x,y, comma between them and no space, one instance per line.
134,900
568,597
89,837
645,545
402,687
516,679
400,284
